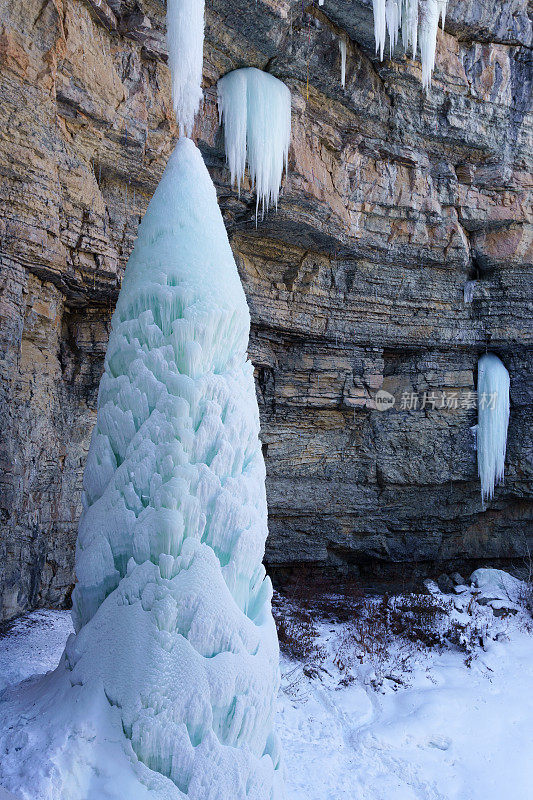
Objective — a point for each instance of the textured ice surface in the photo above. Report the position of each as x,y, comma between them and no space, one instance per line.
6,795
418,21
255,108
185,40
493,419
168,689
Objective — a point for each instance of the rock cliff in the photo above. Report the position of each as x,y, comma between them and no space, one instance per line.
393,201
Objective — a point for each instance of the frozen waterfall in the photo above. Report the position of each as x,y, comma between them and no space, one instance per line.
185,40
493,419
168,689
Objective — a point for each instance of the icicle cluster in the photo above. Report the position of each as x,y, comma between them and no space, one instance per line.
185,40
255,108
493,420
168,690
418,21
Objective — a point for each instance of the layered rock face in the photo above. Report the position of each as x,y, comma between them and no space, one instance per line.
393,201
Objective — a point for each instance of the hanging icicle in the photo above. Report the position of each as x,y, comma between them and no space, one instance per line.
493,420
380,26
185,39
255,108
409,25
429,25
342,48
392,17
418,21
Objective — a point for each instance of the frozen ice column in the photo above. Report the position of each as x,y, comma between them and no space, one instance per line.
185,42
168,689
493,420
176,518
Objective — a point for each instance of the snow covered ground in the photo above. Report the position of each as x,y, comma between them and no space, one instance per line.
365,714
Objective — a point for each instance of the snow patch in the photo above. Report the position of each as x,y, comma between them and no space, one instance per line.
495,584
429,730
6,795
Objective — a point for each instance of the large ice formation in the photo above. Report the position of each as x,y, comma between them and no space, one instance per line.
493,419
185,41
418,21
168,689
255,108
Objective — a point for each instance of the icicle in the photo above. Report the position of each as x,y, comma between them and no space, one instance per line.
342,48
493,419
429,24
380,26
392,17
255,108
468,291
290,30
443,4
308,58
410,25
185,38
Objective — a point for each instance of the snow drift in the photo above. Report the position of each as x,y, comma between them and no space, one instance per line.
493,420
255,108
168,688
